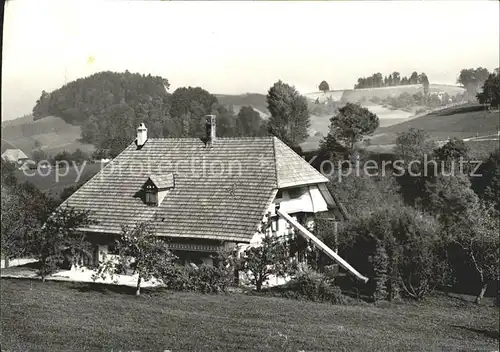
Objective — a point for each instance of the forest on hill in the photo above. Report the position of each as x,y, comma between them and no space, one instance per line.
110,105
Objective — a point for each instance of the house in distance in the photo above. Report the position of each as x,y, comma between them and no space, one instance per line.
201,195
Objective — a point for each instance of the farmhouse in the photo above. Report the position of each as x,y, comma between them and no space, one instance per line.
203,195
16,156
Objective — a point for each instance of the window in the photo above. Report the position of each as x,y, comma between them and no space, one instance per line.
279,195
151,195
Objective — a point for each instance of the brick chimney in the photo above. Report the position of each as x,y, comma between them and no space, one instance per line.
211,128
142,135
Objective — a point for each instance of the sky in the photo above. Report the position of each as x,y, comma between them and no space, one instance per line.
239,47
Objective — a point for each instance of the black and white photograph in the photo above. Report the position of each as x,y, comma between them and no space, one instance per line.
250,176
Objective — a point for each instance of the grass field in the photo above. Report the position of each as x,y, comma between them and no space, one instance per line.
52,133
53,316
441,127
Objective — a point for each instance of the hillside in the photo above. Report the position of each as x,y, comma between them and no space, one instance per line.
357,95
443,125
52,134
257,101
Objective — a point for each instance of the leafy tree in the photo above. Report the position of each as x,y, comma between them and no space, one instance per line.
475,230
270,258
414,78
42,106
399,248
79,156
453,150
490,91
39,155
413,145
358,193
487,186
60,239
68,191
351,123
188,106
324,87
63,156
396,78
249,123
472,79
424,80
139,245
24,208
289,119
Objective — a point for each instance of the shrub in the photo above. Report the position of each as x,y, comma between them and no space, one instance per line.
314,286
204,279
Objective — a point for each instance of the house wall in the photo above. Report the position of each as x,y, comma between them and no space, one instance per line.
302,201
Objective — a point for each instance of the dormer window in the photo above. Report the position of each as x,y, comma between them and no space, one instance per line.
151,195
156,188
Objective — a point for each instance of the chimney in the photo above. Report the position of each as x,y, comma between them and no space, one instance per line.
211,128
142,135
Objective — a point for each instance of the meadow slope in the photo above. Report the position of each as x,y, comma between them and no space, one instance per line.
52,133
68,316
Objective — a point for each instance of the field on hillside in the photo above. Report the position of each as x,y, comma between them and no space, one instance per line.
54,316
52,133
355,95
462,125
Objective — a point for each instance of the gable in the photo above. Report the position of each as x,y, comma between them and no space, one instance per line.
293,170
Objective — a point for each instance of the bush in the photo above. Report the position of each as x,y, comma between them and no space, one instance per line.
316,287
204,279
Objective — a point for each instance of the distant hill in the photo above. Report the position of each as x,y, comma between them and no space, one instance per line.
52,134
257,101
357,95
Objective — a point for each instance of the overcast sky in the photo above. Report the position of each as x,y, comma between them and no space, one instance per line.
238,47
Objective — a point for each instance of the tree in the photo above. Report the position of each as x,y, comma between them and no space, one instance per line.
248,122
472,79
413,145
79,156
24,208
396,78
270,258
139,246
324,87
188,106
351,123
399,248
490,91
475,231
59,239
39,155
453,150
414,78
487,185
289,119
424,80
